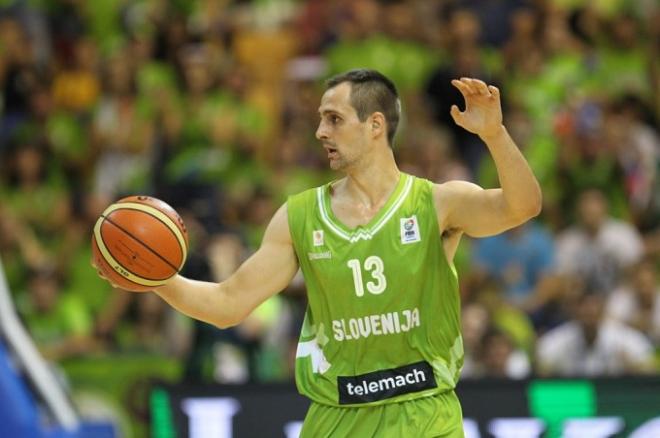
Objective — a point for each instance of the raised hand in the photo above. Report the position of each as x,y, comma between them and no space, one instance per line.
483,111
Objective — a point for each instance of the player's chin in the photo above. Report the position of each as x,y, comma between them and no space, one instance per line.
337,163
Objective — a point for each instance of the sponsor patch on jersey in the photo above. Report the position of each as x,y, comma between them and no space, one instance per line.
383,384
319,255
410,230
317,237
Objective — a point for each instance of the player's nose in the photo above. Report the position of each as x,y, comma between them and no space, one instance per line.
321,132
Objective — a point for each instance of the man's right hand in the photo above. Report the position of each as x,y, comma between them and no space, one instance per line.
100,274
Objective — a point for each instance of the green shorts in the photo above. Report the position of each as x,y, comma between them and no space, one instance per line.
439,415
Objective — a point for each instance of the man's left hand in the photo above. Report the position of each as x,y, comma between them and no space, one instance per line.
483,110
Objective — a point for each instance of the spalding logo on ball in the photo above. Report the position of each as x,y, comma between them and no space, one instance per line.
139,243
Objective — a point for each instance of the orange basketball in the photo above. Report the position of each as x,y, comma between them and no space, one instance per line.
139,243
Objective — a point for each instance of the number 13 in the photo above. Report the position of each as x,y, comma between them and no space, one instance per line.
374,265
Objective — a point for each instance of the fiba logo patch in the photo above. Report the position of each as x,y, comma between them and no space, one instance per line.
410,230
317,237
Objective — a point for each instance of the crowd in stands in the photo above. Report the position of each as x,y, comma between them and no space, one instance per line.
211,105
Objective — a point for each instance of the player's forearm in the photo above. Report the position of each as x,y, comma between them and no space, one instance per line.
519,185
202,300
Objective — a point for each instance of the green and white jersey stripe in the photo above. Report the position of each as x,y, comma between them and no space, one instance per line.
399,195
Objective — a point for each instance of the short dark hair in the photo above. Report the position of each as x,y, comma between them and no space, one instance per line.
372,91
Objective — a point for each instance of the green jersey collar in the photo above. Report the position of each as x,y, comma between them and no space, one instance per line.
367,231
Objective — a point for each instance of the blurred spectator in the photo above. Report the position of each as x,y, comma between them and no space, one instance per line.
67,25
505,317
315,25
428,151
122,132
598,248
60,324
637,301
151,326
502,359
524,38
253,351
637,147
475,321
551,303
494,17
592,345
492,338
21,78
587,161
379,36
517,259
35,202
497,336
76,85
467,60
622,61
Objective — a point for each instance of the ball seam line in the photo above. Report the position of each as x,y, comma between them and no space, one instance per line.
134,278
153,211
171,265
110,265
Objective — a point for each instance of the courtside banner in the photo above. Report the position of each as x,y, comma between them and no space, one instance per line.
548,408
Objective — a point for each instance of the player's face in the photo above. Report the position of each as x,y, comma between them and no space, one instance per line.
342,134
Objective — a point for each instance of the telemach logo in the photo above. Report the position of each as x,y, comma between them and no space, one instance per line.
383,384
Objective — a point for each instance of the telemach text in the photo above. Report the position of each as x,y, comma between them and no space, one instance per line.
375,325
384,384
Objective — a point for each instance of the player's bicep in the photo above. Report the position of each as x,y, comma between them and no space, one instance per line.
473,210
269,270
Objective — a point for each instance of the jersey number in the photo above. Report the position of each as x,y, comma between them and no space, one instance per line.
374,265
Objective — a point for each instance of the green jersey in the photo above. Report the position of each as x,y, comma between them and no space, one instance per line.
383,322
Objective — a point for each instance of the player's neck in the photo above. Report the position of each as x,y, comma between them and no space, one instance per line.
373,181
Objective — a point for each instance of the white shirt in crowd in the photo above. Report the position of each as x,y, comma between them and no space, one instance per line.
622,305
617,245
618,349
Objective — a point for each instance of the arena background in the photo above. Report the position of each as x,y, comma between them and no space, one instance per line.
211,105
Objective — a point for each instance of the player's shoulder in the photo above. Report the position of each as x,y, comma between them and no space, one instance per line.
301,207
454,187
453,191
311,195
304,197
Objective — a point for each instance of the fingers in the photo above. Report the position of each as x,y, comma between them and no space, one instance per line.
99,272
480,87
462,86
457,115
471,86
494,91
93,263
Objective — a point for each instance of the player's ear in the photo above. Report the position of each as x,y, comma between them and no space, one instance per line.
377,123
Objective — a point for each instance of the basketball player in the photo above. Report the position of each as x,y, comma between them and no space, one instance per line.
380,350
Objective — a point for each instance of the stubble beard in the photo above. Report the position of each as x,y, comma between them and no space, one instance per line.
346,161
342,163
337,164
